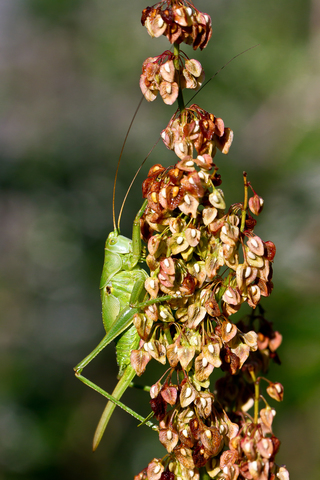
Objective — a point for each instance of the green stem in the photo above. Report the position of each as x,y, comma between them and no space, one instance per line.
177,67
168,334
245,203
256,396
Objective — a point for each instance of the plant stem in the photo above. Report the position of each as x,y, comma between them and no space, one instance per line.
245,203
177,67
256,396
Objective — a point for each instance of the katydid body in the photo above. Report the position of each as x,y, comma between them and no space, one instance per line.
122,296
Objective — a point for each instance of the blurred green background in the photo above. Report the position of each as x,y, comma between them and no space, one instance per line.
69,87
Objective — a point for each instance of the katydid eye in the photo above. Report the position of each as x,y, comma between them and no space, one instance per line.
113,241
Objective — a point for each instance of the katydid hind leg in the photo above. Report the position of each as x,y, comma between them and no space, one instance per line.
117,393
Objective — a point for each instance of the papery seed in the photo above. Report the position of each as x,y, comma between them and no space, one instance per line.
197,268
265,443
154,197
152,308
274,413
261,201
175,191
211,348
171,466
193,233
228,327
178,12
185,432
229,294
204,362
188,392
247,272
163,135
215,198
191,473
254,242
224,229
201,158
206,17
191,181
160,22
145,346
278,388
179,240
166,262
163,314
187,199
167,67
183,452
228,247
175,350
152,284
254,290
150,346
157,469
201,175
189,163
169,88
169,435
203,402
208,434
222,429
189,11
225,469
254,465
251,255
164,193
181,146
161,277
190,414
202,294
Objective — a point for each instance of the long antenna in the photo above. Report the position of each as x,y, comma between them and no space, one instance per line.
137,172
220,69
132,182
118,165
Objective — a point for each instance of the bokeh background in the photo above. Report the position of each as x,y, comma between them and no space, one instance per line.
69,72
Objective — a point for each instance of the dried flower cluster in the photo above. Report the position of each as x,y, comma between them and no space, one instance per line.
179,21
159,75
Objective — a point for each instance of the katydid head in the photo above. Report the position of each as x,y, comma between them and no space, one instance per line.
117,243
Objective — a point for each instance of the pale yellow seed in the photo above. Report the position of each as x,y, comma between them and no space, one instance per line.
193,233
251,255
189,11
201,175
157,469
208,434
152,284
188,392
261,201
169,435
247,272
215,198
185,432
203,402
189,163
204,362
224,229
197,268
154,197
254,290
163,314
181,146
178,12
191,473
222,429
229,294
167,67
190,414
164,193
211,348
201,158
183,452
228,327
187,199
166,262
169,88
278,388
265,443
179,240
175,191
191,181
254,242
150,346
